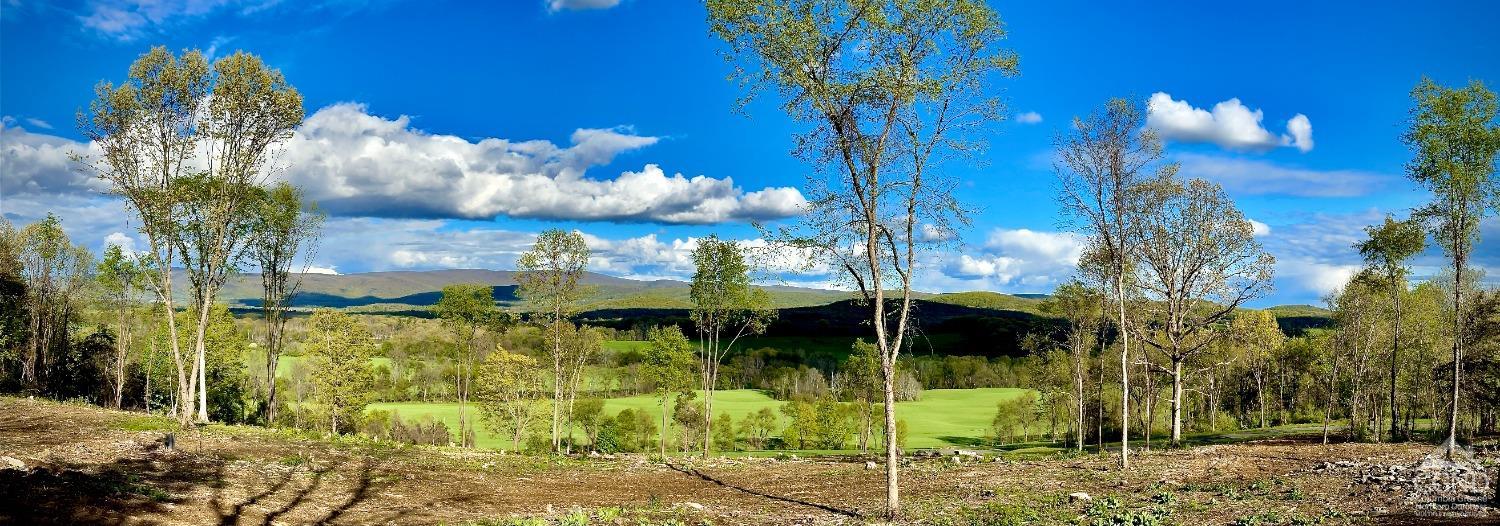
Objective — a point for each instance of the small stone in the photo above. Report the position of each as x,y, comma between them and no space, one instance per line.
693,505
12,463
870,465
1079,497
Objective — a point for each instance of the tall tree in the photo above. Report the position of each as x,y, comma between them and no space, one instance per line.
118,277
1454,137
340,349
466,309
281,230
1199,262
1386,251
892,90
251,109
1103,160
550,281
1081,308
668,367
54,271
147,134
724,304
1258,337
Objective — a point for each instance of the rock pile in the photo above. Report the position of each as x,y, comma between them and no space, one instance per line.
1460,487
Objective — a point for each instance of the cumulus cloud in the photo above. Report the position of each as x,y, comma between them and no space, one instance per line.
1029,117
1255,177
357,164
1321,279
314,269
122,240
1018,260
360,165
1259,229
1230,124
580,5
35,163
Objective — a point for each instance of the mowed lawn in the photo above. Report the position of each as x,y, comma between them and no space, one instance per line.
942,417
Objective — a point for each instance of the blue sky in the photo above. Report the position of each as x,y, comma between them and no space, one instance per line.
441,135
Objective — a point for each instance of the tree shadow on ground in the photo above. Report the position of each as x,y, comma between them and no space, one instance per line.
129,489
687,470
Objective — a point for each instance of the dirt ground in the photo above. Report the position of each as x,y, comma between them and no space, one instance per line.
84,465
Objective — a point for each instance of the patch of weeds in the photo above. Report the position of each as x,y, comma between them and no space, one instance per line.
1258,519
1165,498
146,423
575,518
994,514
1295,494
293,460
1109,511
1232,493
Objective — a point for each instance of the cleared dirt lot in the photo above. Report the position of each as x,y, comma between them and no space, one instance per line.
91,466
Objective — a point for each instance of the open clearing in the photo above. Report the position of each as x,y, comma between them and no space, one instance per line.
93,466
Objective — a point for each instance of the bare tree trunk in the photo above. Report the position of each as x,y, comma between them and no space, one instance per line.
1395,351
1176,401
1451,444
1124,370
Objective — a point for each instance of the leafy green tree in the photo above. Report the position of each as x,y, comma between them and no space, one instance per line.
889,90
1386,251
147,135
1103,162
281,229
588,413
1082,308
668,366
118,276
862,380
726,436
1258,335
466,309
724,304
758,427
339,348
1455,137
1198,263
54,272
550,281
509,390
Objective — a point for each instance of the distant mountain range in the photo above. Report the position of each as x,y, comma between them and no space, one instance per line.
610,297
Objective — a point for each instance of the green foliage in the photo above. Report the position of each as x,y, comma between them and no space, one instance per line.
725,435
340,348
509,393
1014,417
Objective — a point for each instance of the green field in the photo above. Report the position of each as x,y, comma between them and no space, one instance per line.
942,417
285,363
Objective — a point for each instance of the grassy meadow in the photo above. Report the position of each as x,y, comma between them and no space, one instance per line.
942,417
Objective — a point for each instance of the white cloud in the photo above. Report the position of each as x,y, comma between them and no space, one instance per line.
35,163
39,123
580,5
1255,177
1016,260
1320,278
1259,229
1229,124
314,269
122,240
129,19
1029,117
357,164
1299,133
